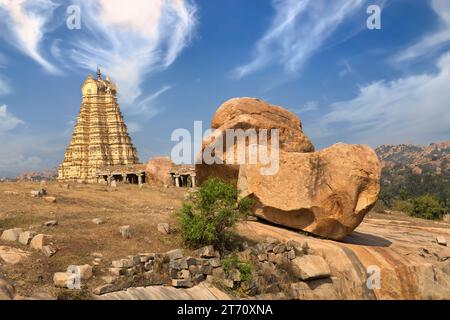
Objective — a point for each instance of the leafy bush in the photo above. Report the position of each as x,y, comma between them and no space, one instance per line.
403,206
427,207
404,185
245,268
447,200
211,211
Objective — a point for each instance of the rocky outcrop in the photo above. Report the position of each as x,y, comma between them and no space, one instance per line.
326,193
157,171
201,292
243,113
251,113
384,259
12,256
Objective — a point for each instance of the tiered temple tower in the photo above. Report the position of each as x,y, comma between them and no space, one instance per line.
100,137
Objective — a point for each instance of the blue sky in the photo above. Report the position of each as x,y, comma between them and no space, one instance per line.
177,61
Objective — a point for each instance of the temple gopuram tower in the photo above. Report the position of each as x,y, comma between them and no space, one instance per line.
100,139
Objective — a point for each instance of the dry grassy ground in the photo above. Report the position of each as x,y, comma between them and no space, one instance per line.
76,235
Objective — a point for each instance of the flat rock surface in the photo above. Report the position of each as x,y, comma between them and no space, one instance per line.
200,292
11,255
412,264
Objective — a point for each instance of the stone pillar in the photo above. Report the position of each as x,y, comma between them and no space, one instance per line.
140,179
177,181
193,181
124,178
109,180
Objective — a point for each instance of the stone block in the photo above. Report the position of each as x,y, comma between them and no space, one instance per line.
97,221
279,248
49,250
11,234
175,254
206,252
163,228
64,279
441,240
26,237
104,289
125,232
310,267
39,241
123,263
182,283
51,223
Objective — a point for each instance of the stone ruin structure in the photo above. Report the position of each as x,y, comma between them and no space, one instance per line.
100,145
183,176
128,174
161,171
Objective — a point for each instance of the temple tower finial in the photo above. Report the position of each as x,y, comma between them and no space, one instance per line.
99,73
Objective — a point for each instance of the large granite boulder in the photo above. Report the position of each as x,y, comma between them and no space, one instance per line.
326,193
157,171
251,113
244,113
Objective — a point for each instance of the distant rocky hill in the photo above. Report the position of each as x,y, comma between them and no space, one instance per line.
433,159
37,175
410,171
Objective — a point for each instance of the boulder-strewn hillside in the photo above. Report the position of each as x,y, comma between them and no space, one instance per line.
434,158
411,171
37,176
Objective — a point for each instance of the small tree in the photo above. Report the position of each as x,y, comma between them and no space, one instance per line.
211,211
427,207
403,206
447,201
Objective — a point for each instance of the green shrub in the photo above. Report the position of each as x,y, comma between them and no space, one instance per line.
403,206
246,271
427,207
210,212
232,261
229,262
447,200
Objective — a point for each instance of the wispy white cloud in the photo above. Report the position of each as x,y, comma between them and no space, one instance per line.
309,106
432,41
414,108
298,30
128,39
346,69
5,88
7,120
146,105
24,24
133,38
133,127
